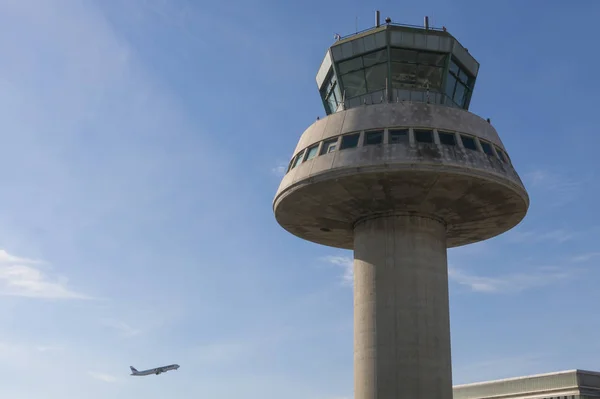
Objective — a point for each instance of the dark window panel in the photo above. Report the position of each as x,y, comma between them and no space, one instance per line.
312,152
459,94
434,59
349,141
332,103
404,75
424,136
429,75
454,68
298,159
501,154
375,58
486,147
374,137
398,136
463,77
355,83
350,65
376,77
450,84
447,138
402,55
468,142
328,146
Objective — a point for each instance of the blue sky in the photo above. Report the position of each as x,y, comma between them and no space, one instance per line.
142,143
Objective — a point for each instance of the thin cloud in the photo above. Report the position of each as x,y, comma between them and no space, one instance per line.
559,236
510,283
502,367
49,348
347,265
585,257
5,257
563,189
102,376
218,353
280,169
123,328
19,277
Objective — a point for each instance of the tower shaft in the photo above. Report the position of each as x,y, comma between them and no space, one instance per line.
401,309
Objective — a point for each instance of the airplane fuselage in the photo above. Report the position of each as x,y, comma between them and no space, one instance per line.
156,370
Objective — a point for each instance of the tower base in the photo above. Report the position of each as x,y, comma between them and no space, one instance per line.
401,309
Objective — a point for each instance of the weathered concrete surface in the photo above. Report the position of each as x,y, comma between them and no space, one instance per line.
478,200
401,312
403,114
477,195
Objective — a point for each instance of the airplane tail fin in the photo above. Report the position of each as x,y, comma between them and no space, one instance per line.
133,370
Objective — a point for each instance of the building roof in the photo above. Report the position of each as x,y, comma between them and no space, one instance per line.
549,385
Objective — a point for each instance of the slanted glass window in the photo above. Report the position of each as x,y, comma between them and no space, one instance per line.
468,142
355,83
417,69
330,93
376,77
312,152
374,137
349,141
398,136
298,159
328,146
459,85
447,138
500,154
486,147
364,74
424,136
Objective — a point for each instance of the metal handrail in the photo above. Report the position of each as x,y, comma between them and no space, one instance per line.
390,24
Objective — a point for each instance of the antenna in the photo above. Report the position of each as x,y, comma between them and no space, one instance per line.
356,23
377,23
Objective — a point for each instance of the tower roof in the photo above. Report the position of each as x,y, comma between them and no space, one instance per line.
394,62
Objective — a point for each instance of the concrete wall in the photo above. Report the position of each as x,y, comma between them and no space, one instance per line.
402,114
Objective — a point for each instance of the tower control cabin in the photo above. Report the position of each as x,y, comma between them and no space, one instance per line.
398,171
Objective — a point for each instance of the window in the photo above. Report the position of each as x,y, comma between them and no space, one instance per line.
364,74
349,141
398,136
500,154
298,159
312,152
486,147
375,137
424,136
447,138
458,85
328,146
417,69
468,142
330,93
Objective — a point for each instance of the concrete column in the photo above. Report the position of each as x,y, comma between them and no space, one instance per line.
401,311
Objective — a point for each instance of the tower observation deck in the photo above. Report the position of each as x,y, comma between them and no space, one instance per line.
398,171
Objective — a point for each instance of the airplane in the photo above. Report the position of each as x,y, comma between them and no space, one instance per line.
156,371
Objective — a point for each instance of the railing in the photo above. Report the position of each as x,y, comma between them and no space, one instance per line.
390,24
399,96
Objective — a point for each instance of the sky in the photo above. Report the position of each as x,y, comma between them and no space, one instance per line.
142,145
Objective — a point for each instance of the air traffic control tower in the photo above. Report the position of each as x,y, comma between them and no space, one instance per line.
398,171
